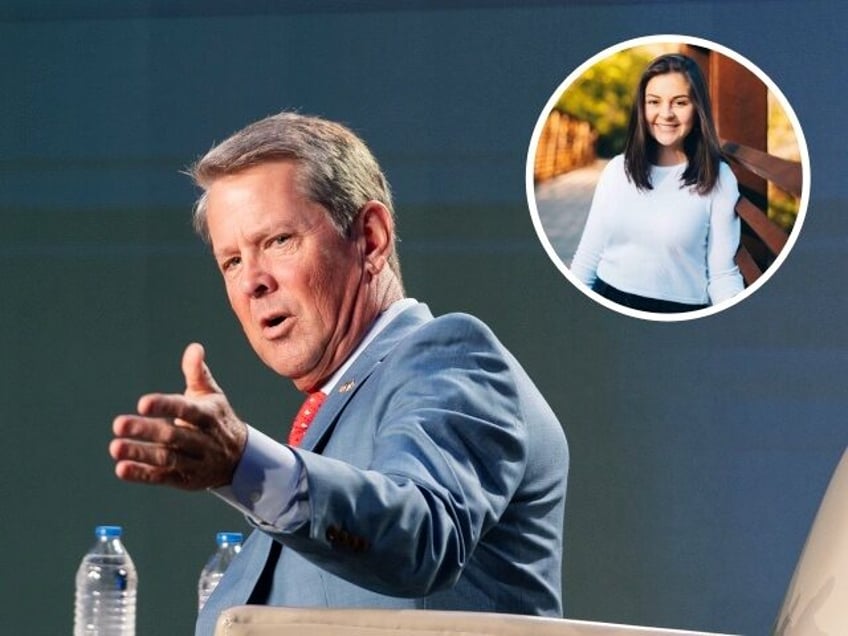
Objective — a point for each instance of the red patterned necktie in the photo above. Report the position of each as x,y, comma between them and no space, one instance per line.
305,416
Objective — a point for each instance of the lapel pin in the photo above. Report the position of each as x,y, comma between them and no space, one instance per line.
347,386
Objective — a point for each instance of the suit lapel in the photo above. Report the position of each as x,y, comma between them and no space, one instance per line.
245,570
347,386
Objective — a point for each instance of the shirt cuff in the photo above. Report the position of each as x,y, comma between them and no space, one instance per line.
725,286
269,485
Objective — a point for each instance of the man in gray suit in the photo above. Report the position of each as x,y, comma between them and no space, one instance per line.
427,470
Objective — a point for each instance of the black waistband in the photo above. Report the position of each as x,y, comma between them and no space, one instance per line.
642,303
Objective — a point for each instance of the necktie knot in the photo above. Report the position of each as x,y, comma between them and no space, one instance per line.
305,416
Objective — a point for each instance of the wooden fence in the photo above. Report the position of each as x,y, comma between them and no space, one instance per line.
566,143
762,238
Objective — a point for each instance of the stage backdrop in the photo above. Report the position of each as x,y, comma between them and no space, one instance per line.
699,449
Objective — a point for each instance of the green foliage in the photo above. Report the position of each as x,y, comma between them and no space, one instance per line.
782,142
783,209
603,96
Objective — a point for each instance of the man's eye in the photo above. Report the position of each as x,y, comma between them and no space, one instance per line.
230,263
282,238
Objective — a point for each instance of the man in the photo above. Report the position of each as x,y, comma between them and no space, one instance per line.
434,473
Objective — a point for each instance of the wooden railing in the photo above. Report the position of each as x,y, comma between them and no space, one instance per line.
565,144
763,239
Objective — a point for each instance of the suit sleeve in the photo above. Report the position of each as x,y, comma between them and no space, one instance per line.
449,451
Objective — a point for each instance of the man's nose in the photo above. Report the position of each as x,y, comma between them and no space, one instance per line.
256,280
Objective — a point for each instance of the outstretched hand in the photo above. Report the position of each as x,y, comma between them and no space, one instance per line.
190,441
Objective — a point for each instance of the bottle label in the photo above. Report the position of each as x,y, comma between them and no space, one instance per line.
121,577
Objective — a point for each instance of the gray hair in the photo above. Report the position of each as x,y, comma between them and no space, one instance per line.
336,168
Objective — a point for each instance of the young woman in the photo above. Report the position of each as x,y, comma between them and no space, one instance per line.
662,232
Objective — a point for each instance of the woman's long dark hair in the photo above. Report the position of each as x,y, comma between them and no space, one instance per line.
701,145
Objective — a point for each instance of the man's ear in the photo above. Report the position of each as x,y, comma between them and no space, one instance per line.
377,230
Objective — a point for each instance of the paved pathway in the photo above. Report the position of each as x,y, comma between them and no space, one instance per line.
563,204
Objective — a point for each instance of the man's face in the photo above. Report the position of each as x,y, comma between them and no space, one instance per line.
293,281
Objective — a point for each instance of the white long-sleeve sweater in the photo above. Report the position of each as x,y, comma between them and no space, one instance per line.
668,243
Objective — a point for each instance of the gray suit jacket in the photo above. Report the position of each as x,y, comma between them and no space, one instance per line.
436,477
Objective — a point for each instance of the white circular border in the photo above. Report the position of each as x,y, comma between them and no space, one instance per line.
805,173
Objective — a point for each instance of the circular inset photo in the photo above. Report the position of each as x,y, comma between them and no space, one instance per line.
667,178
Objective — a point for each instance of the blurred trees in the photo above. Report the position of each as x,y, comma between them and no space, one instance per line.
782,142
603,96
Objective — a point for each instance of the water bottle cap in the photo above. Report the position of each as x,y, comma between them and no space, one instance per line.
108,531
228,537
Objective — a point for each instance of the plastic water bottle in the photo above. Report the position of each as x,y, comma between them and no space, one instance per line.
229,545
107,585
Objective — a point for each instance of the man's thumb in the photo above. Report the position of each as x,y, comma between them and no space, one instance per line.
198,377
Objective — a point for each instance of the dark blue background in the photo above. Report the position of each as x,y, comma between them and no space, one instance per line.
700,449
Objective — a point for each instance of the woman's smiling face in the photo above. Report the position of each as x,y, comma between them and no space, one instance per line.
670,115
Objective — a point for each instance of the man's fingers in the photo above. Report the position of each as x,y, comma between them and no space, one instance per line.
171,406
142,428
152,463
189,441
145,430
132,471
143,453
147,474
198,377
